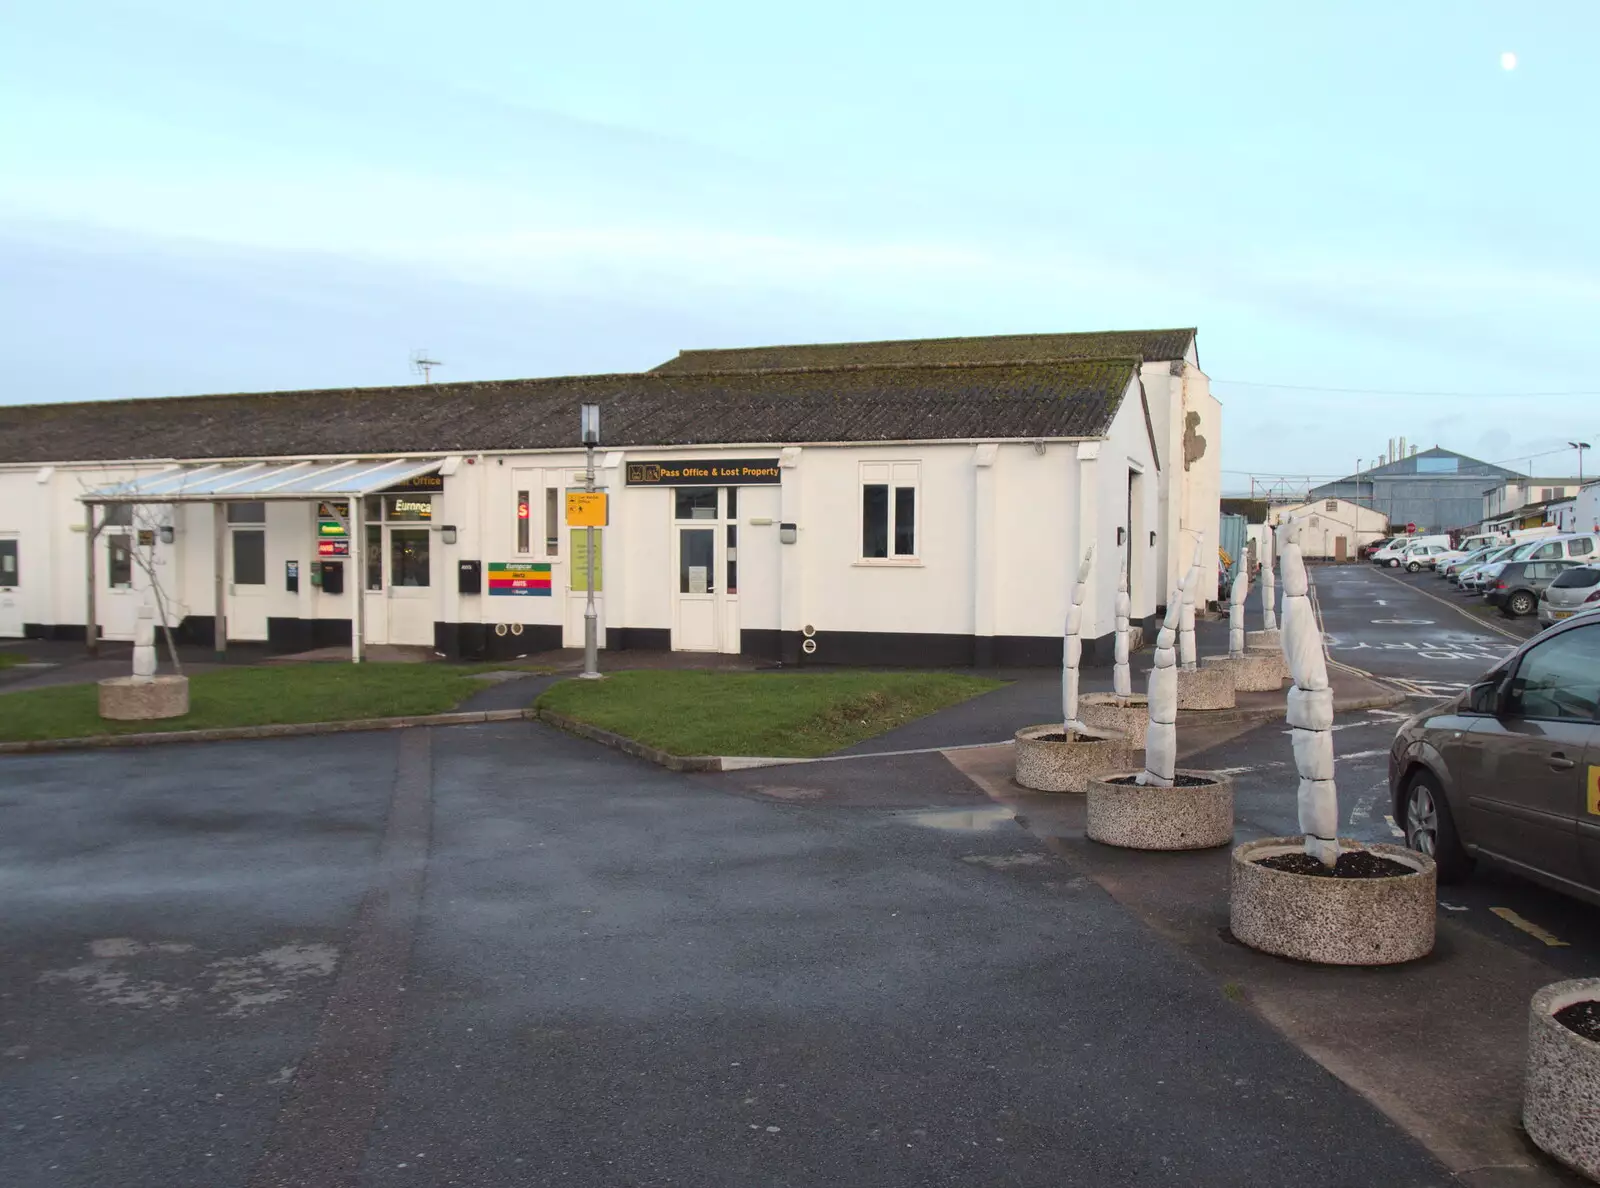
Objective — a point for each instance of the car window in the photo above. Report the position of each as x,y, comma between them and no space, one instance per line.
1580,578
1553,549
1559,678
1580,546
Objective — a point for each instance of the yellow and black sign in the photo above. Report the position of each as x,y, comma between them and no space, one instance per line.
705,472
421,482
587,509
1593,798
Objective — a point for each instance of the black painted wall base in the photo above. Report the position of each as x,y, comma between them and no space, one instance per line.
302,635
478,641
57,632
639,639
895,649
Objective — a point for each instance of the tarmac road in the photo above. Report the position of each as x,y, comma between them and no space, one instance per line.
497,955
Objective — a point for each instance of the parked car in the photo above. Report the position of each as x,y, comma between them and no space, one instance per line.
1451,569
1372,546
1574,547
1423,556
1575,592
1517,587
1471,547
1471,578
1393,554
1500,774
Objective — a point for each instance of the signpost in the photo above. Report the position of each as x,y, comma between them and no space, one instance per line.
587,510
589,430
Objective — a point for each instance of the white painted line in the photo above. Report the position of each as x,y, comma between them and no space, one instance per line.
1364,754
1383,713
1393,828
1528,926
1362,810
1453,907
746,762
1466,614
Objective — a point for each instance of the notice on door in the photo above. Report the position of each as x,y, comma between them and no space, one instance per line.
519,579
698,580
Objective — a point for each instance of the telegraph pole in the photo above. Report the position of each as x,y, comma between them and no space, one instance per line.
589,427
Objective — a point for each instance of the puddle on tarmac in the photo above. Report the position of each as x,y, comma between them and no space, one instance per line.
962,820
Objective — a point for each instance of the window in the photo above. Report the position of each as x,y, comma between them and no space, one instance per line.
8,563
731,586
1580,546
889,511
1579,578
733,503
374,557
247,513
119,515
119,558
249,557
1546,495
407,508
1331,505
524,527
1546,552
694,503
408,557
552,521
1559,678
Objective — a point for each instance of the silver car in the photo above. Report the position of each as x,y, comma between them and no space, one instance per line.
1573,593
1472,577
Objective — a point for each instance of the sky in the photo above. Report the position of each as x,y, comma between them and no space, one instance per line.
200,197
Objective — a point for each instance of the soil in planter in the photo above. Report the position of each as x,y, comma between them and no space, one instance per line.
1180,780
1352,864
1582,1017
1059,737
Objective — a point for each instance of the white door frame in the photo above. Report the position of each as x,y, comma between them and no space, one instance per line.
246,608
408,606
11,588
690,631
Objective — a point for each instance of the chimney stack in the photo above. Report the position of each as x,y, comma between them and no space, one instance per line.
1402,447
1388,455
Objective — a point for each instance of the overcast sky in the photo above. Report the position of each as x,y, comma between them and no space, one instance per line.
202,197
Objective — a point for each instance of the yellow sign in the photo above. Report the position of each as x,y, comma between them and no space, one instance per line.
579,565
1594,791
587,509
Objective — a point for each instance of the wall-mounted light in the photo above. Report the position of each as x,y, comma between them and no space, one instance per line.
589,424
1038,448
447,533
1122,535
168,534
1152,540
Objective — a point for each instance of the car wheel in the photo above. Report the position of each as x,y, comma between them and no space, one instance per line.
1431,830
1521,603
1413,567
1394,562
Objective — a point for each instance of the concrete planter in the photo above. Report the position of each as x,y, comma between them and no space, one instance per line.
1254,672
1264,639
1206,689
1561,1096
1143,817
1333,921
1127,716
1067,766
129,699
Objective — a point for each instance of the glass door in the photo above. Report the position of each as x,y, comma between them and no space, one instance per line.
410,586
10,592
695,618
246,606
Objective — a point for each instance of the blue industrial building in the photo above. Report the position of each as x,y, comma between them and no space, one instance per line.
1437,490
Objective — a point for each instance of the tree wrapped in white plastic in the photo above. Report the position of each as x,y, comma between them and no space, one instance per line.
1269,583
1161,732
1241,588
1121,678
1186,650
1072,649
1310,712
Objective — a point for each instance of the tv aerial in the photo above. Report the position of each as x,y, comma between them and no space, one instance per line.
423,366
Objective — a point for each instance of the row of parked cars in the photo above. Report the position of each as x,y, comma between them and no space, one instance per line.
1555,577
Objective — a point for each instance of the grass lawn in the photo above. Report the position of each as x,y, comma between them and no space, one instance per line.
251,697
7,659
793,715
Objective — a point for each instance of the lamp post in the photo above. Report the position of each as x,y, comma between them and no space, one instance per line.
1580,446
589,428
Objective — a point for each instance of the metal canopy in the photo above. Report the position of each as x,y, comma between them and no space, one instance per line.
265,480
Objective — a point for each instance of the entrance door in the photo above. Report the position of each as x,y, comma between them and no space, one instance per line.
247,584
10,590
410,586
118,605
1341,549
695,618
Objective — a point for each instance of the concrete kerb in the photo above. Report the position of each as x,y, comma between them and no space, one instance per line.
275,730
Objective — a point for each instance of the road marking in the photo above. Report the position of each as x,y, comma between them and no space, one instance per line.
1342,726
1364,754
1362,810
1528,926
1453,907
1466,614
1383,713
1406,622
1393,828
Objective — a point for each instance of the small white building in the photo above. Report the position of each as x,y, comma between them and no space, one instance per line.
909,513
1503,501
1334,528
1586,513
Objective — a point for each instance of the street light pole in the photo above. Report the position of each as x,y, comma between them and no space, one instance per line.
589,425
1580,446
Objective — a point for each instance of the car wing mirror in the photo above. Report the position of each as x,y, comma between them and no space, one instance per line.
1484,697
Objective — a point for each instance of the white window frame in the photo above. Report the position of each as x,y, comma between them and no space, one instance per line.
895,475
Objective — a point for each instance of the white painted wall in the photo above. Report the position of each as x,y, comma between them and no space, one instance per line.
1190,494
1318,538
1005,573
1588,508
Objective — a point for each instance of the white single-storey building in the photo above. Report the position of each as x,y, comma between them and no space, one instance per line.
1334,528
903,512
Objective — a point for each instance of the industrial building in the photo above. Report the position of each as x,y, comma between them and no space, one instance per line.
1435,489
